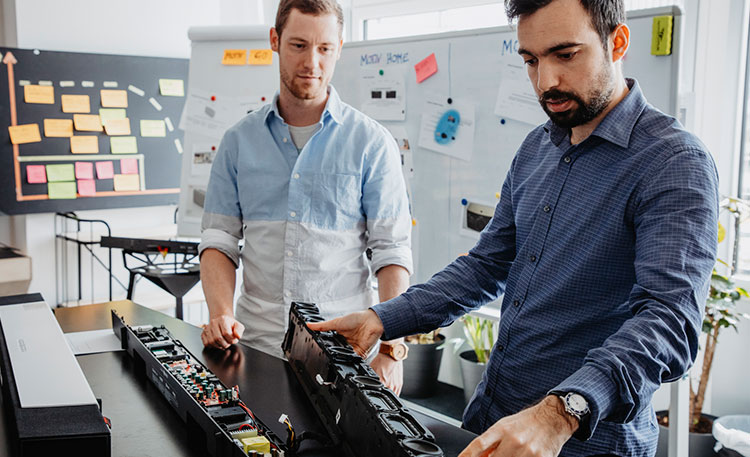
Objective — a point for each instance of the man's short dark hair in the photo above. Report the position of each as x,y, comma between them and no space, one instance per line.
314,7
605,14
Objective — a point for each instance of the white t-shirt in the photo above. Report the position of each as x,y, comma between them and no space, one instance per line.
301,135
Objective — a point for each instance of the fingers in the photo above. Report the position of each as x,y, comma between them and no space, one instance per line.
221,332
483,445
323,326
237,330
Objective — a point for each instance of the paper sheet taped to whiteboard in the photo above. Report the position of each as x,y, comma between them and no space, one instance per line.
383,93
211,114
460,140
516,98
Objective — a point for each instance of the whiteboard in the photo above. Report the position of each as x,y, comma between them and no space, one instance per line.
470,68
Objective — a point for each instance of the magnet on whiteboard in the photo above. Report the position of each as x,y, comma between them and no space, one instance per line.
497,194
464,202
413,222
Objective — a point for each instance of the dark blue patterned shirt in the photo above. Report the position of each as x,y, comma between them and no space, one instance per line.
603,251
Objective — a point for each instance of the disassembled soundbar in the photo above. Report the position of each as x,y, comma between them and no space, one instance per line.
214,413
360,414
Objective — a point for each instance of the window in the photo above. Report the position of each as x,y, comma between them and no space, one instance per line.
742,242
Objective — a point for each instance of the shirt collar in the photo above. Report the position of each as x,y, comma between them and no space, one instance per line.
333,107
617,125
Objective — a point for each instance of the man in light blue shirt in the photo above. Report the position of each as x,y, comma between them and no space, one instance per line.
310,184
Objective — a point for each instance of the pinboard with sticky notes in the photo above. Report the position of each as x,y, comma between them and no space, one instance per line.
460,104
88,131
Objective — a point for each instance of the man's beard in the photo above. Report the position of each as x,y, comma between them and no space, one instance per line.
585,111
299,92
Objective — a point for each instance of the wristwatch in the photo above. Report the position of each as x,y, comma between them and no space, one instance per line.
575,405
397,351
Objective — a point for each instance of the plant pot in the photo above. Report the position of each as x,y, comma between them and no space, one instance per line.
699,444
471,373
421,369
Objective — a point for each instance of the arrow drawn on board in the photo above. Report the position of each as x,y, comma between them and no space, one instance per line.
9,60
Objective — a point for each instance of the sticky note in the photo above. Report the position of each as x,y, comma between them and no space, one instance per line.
260,57
128,166
153,128
36,174
117,126
84,170
105,170
39,94
75,103
426,68
114,98
86,188
84,144
61,190
172,87
127,183
58,127
234,57
661,36
112,113
87,122
22,134
123,145
60,172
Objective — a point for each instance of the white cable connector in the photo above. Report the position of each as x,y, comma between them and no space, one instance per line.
283,418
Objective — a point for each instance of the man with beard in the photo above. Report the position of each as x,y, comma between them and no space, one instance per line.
310,184
603,244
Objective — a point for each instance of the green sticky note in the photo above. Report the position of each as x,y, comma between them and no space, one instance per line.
61,172
112,113
153,128
61,190
172,87
123,144
661,36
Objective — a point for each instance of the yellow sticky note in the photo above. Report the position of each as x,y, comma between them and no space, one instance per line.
75,103
58,127
661,36
234,57
84,144
87,122
153,128
61,172
114,98
22,134
61,190
124,183
123,145
112,113
172,87
260,57
39,94
117,126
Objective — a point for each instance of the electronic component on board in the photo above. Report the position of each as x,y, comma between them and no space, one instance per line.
228,427
362,417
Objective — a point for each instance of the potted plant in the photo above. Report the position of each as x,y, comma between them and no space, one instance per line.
721,312
422,365
480,336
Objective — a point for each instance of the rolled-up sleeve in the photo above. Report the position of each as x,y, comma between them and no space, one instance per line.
221,225
386,206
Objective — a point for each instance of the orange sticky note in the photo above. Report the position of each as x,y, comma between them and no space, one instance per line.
129,166
22,134
84,144
75,103
114,98
39,94
86,187
117,126
260,57
87,122
84,170
127,183
36,174
426,68
234,57
105,170
58,127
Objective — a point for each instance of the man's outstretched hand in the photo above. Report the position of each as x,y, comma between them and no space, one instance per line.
362,330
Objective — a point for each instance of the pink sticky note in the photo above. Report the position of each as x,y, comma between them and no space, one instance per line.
84,170
105,170
86,187
426,68
36,174
129,166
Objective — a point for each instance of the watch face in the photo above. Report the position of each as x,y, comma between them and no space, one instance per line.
399,351
577,403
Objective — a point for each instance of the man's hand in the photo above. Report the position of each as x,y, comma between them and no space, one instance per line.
539,431
221,332
390,371
362,330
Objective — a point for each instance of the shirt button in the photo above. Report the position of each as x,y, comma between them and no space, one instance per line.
532,258
547,209
289,253
288,294
516,303
293,214
500,347
296,176
285,140
567,159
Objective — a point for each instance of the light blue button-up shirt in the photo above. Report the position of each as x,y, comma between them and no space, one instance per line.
307,217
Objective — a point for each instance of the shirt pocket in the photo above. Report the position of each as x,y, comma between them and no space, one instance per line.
337,201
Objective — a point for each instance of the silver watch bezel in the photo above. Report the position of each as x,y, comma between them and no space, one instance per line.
567,400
